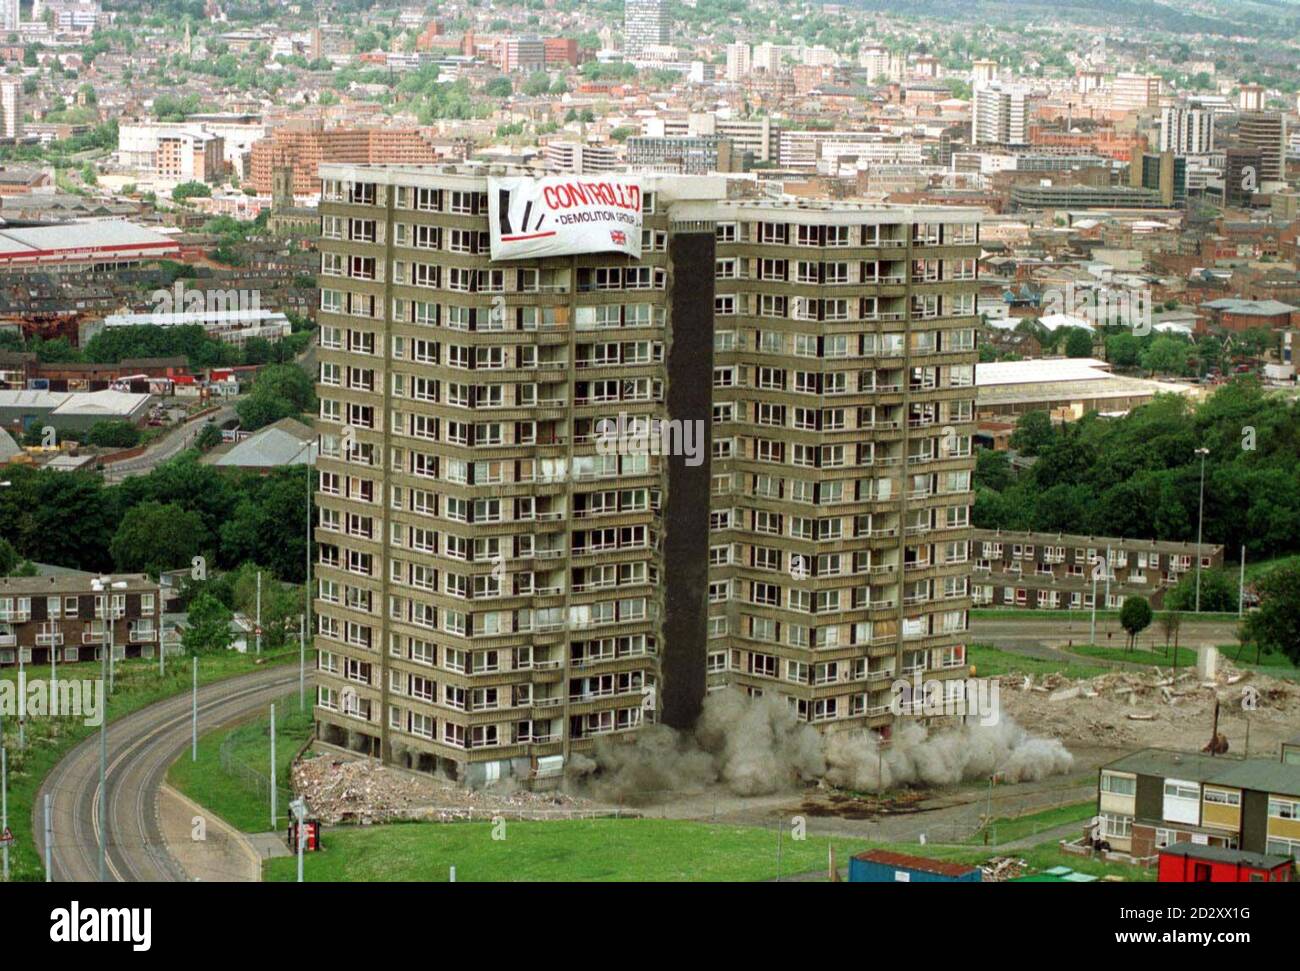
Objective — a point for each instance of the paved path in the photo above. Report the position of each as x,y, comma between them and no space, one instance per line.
205,846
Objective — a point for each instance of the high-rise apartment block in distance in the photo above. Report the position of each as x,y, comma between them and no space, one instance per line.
999,114
1133,92
499,585
11,109
645,24
1265,132
1186,130
984,71
739,61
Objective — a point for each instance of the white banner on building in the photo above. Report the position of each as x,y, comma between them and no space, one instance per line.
561,215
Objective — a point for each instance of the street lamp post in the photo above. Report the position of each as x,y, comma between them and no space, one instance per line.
105,586
1200,521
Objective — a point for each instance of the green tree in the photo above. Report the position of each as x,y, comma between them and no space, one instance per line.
9,558
113,434
269,525
280,391
154,537
281,603
51,517
1167,355
1123,350
498,87
1034,432
992,469
191,190
1078,343
1218,592
1275,626
208,438
207,625
1134,617
537,84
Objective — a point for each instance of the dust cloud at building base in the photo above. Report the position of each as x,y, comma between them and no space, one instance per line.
756,746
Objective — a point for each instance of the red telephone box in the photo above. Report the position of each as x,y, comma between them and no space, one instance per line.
311,835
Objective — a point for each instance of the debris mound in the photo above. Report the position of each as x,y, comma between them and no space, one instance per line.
342,790
1161,707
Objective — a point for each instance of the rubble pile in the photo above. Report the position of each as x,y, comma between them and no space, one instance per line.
1156,707
1000,868
340,790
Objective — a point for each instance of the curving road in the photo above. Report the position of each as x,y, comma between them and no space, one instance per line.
141,747
167,447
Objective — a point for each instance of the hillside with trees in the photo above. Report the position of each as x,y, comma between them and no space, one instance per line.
1139,475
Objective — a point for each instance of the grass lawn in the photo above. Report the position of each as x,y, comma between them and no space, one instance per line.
991,661
639,850
1274,665
137,684
231,775
644,850
1139,655
1064,616
1256,570
1007,829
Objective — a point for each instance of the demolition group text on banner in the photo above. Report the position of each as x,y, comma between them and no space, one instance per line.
563,215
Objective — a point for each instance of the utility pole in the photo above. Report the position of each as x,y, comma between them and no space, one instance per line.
4,804
22,714
1241,584
49,840
194,714
103,758
259,612
1200,522
104,586
1092,630
302,663
273,814
306,587
1108,573
54,653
